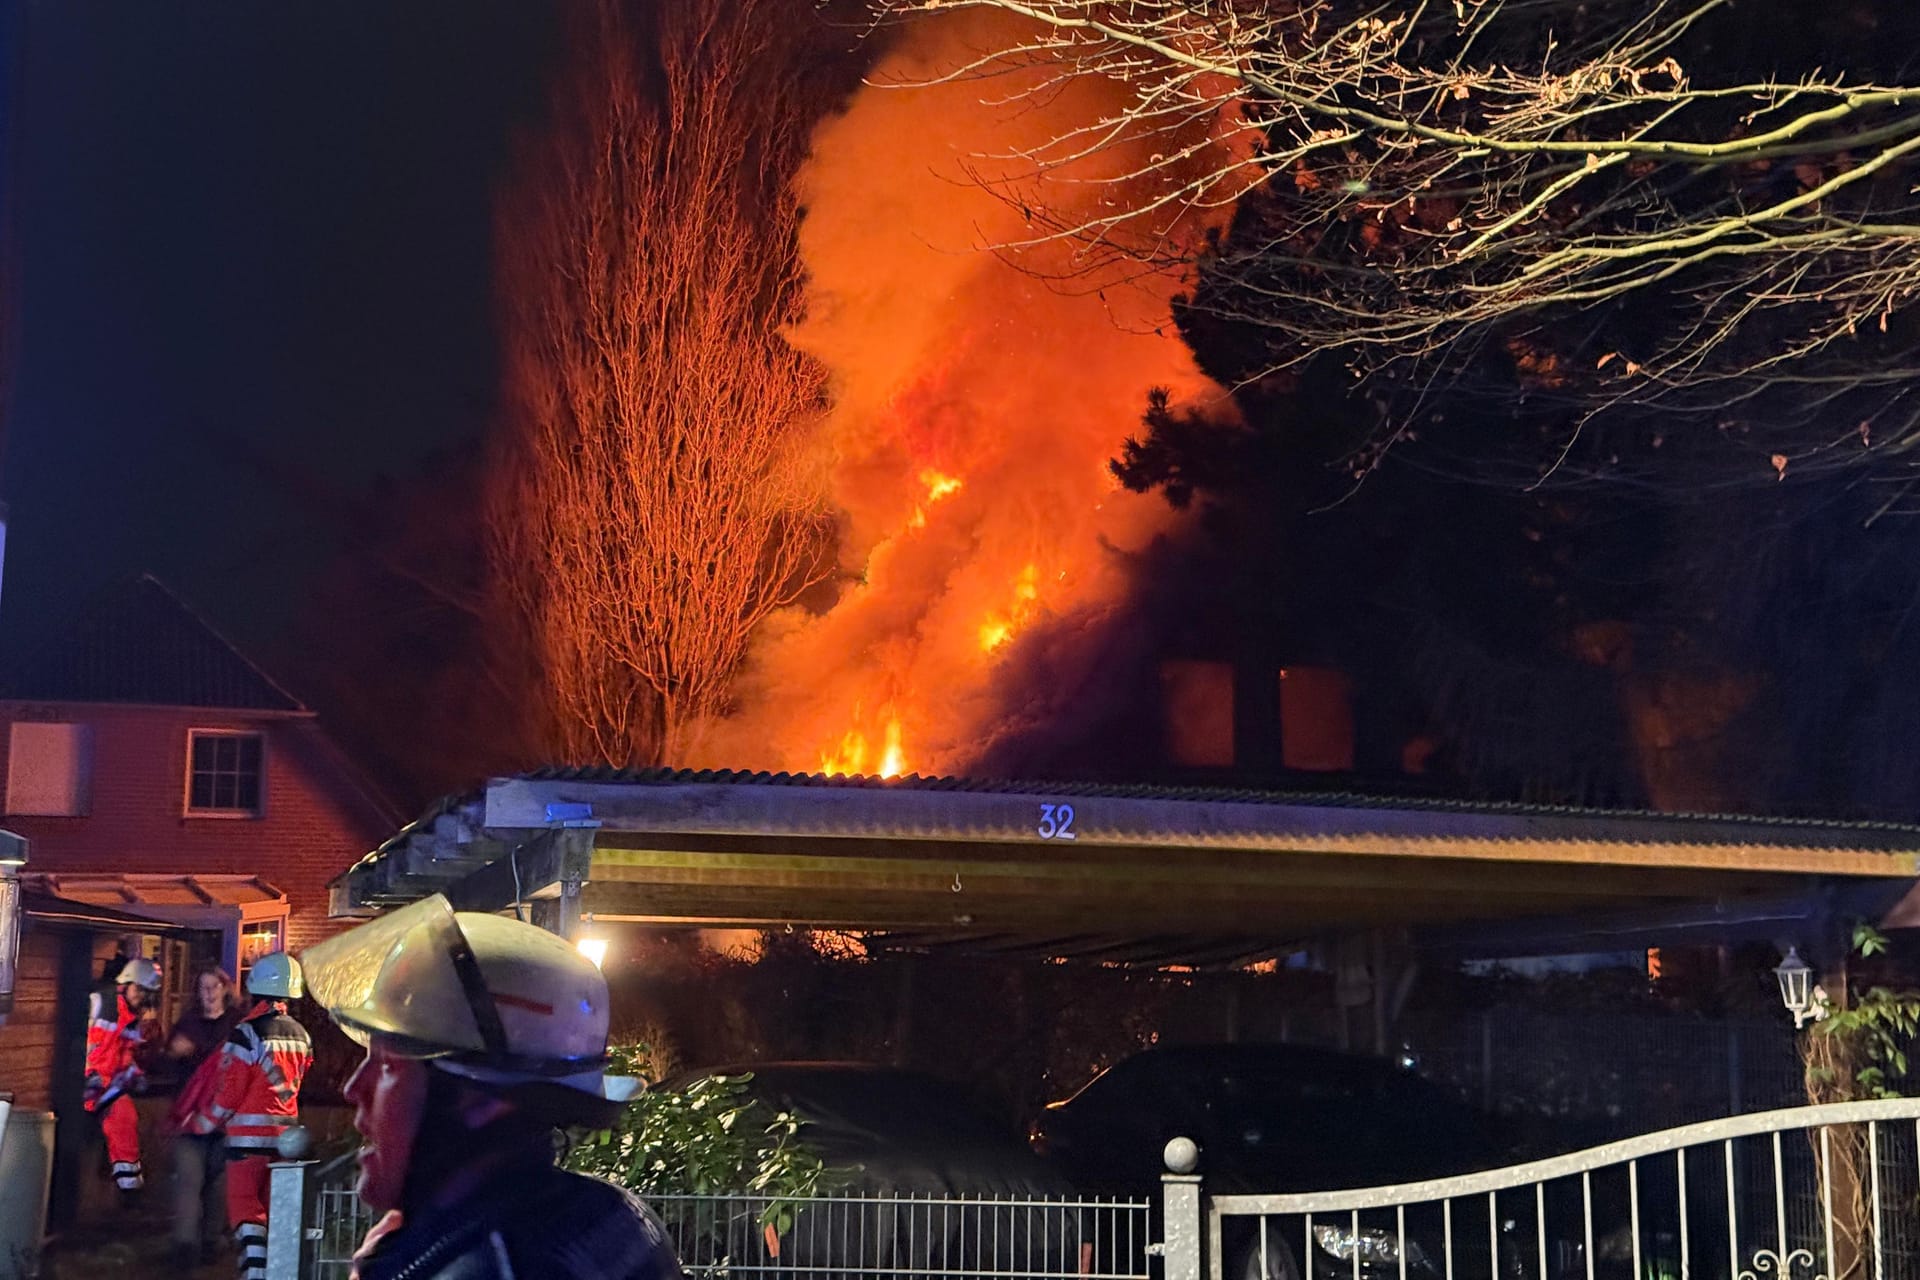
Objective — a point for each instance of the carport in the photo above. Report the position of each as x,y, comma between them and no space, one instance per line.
1126,873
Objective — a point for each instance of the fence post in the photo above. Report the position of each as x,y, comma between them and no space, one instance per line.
1180,1211
287,1206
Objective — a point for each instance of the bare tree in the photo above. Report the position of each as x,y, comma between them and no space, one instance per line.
653,504
1418,181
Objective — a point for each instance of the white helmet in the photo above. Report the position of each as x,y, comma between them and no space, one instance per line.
275,974
491,999
139,972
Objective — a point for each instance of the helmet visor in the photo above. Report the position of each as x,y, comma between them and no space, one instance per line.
395,977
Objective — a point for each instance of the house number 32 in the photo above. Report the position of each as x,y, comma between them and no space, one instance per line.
1056,822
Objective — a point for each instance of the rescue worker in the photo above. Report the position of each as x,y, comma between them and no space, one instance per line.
114,1037
484,1036
256,1097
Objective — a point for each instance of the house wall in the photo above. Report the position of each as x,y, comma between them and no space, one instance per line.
27,1042
315,820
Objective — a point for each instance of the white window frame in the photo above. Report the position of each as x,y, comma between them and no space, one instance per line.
241,965
186,776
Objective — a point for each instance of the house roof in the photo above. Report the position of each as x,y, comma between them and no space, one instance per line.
141,891
1002,862
142,644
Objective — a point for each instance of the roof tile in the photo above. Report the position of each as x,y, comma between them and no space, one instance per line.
144,645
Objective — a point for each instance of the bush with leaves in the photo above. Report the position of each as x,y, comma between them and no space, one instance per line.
710,1138
1858,1050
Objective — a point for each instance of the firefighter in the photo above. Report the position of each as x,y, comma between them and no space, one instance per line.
484,1036
255,1098
114,1038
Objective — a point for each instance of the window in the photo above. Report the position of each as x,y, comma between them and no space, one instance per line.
49,769
258,938
223,773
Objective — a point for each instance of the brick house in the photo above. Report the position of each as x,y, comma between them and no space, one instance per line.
156,770
178,803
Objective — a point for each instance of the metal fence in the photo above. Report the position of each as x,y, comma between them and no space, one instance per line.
744,1237
1830,1192
1810,1193
337,1221
1622,1073
875,1234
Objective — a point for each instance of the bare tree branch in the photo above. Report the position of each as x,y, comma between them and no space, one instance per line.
1411,178
654,504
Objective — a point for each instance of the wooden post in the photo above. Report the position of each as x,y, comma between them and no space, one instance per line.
903,1011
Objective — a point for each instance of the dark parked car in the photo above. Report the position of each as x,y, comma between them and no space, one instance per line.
1280,1118
922,1179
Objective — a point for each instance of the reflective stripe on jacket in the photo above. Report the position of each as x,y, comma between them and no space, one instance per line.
256,1087
111,1043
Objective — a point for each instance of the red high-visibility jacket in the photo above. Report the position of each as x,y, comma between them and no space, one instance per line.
256,1088
111,1043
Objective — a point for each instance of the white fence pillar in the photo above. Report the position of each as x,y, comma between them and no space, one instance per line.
1181,1251
287,1206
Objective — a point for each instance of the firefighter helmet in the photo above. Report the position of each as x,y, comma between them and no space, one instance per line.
139,972
492,999
276,974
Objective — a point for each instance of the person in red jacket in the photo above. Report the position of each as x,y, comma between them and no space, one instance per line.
256,1098
114,1037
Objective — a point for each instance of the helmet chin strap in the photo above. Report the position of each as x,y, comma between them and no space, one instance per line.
486,1014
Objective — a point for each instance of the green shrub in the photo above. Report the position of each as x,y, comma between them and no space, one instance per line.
710,1138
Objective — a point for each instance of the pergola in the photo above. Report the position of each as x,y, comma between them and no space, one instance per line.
1134,874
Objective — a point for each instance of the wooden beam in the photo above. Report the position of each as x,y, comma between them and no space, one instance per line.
814,865
1206,914
547,860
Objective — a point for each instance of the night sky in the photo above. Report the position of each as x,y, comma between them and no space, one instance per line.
264,224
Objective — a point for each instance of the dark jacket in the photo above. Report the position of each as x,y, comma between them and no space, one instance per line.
529,1222
204,1034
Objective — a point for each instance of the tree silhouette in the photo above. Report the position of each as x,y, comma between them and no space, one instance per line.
652,503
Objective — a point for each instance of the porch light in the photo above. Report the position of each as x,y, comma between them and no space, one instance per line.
594,949
1796,988
13,856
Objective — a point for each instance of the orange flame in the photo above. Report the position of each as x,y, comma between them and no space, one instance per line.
893,761
1000,627
975,408
853,753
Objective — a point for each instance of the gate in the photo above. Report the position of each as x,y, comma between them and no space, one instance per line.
1830,1192
1810,1193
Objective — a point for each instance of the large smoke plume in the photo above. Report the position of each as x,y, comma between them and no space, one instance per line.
978,391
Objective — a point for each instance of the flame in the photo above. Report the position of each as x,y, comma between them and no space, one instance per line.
974,408
938,485
893,761
850,756
999,628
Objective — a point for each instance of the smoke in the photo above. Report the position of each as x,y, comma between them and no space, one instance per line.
978,393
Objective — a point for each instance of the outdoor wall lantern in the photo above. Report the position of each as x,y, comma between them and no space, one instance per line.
1796,989
13,856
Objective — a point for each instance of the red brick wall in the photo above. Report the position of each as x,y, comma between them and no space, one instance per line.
315,823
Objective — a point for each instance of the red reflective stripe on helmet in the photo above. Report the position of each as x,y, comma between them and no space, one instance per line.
521,1002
